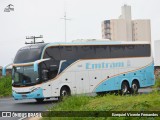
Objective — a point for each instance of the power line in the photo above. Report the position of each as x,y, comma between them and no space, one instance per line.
34,39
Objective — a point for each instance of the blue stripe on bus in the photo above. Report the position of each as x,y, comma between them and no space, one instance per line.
145,79
36,94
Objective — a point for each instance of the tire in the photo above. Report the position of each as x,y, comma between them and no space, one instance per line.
134,87
124,88
39,100
64,92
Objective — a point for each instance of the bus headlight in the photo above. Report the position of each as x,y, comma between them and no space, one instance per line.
34,89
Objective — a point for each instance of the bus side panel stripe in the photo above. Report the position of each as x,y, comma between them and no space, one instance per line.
114,83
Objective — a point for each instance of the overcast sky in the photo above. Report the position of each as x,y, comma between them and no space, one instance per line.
43,17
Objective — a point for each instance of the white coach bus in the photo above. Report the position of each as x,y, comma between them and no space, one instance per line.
44,71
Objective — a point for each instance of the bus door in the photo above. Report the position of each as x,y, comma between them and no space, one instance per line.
47,89
46,86
82,82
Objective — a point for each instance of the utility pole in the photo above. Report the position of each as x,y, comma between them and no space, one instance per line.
34,39
65,25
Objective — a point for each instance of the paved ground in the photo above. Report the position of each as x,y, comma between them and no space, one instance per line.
9,104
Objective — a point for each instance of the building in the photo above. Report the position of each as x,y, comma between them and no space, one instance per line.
156,53
126,29
141,30
157,58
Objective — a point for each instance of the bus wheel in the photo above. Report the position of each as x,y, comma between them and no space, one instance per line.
64,92
124,88
39,100
134,88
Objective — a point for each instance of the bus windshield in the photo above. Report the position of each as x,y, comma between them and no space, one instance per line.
24,76
29,53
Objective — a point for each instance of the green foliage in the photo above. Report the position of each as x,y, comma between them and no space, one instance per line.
5,86
142,102
157,84
69,106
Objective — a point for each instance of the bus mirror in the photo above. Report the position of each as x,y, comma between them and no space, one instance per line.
4,71
35,67
37,62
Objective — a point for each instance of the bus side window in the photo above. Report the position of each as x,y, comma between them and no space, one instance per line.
67,53
102,52
130,51
53,53
117,51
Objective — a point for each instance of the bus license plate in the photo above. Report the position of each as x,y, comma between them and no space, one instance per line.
24,96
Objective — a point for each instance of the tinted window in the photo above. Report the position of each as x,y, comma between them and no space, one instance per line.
99,51
68,52
116,51
137,51
29,53
102,51
84,52
53,52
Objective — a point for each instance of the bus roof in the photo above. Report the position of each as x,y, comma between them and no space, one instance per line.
97,42
85,42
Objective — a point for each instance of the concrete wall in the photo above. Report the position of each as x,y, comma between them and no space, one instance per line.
157,53
141,30
118,30
126,12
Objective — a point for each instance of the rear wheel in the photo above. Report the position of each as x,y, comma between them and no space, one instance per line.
39,100
124,88
134,87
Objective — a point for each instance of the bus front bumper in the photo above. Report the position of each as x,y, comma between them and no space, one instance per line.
31,95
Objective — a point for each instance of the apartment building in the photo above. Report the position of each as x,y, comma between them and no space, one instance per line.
126,29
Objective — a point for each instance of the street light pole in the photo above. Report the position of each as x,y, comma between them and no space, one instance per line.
65,26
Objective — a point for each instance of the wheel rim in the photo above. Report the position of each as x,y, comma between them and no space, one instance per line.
64,93
124,89
134,87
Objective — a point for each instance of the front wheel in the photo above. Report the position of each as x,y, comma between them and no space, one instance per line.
64,92
39,100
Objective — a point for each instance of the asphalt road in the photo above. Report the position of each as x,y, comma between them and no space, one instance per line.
9,104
